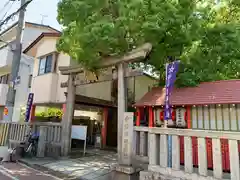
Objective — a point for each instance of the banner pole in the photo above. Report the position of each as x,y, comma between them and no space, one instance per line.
166,67
166,126
171,73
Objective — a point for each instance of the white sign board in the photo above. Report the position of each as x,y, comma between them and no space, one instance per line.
127,138
80,133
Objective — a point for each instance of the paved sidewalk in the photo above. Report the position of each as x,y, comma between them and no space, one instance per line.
94,166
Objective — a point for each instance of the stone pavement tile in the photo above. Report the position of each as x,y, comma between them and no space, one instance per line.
76,169
87,167
82,172
108,176
97,163
67,167
38,161
118,176
97,160
97,174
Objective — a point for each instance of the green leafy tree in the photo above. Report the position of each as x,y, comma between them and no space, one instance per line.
215,55
95,29
50,112
199,33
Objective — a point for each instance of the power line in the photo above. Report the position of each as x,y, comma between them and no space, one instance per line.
7,11
5,5
15,13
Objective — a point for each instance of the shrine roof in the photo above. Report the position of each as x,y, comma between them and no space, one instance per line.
217,92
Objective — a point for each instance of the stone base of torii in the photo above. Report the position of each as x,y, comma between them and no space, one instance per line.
135,55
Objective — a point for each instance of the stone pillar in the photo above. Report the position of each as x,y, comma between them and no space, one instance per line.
124,166
121,108
42,142
68,116
125,129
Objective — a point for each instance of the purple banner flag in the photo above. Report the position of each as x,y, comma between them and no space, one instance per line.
171,73
29,106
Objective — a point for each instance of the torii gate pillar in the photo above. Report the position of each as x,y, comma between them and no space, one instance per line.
68,116
121,109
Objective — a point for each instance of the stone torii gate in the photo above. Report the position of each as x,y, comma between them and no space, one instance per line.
135,55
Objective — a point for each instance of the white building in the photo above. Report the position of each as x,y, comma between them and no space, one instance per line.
31,32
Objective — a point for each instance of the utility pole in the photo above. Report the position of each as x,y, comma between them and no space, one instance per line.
17,54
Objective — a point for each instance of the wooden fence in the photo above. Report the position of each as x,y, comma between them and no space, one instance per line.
17,131
4,127
216,117
159,154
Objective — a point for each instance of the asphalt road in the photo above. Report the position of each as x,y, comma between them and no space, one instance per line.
17,171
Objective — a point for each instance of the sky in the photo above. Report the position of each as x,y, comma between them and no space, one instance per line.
35,11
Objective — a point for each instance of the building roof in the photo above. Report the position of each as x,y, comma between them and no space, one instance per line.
30,23
45,34
217,92
42,25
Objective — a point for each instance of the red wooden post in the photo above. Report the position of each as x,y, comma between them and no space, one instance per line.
138,114
104,127
189,117
64,108
150,120
32,114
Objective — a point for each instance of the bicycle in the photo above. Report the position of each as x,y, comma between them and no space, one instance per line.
29,145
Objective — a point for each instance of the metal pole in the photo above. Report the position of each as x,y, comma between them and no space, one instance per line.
166,73
166,125
17,52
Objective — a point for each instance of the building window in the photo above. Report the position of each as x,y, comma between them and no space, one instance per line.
4,79
45,65
30,81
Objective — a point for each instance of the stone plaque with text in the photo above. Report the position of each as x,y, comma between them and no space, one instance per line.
127,138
